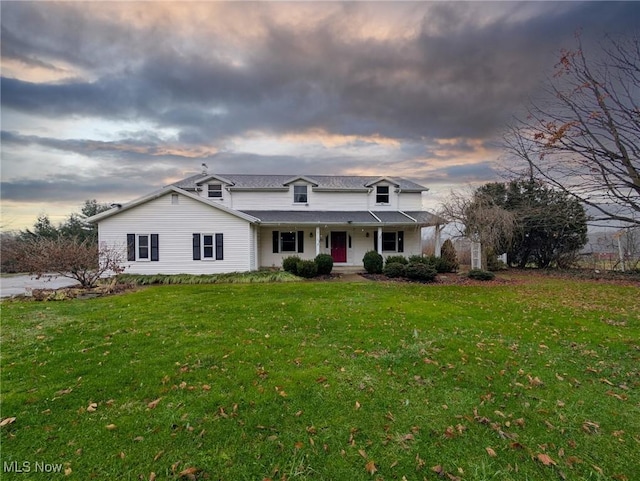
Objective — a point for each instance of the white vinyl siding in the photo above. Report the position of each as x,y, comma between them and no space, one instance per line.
322,200
175,225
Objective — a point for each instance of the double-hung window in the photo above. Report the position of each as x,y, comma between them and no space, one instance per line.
142,247
215,191
208,246
382,194
391,241
288,241
300,194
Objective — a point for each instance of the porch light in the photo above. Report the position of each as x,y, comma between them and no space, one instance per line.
366,234
310,234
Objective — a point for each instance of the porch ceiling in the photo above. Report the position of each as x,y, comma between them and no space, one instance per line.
366,218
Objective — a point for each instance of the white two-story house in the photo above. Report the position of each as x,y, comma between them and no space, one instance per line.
210,223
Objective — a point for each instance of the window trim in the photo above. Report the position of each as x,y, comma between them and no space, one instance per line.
398,244
381,195
395,241
134,248
215,191
198,246
297,195
277,241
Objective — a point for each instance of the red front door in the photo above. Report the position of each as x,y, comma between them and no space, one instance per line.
339,246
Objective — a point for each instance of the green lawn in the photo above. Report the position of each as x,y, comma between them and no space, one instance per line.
326,381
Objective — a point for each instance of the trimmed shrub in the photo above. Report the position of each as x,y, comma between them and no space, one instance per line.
373,262
324,263
396,260
394,269
420,272
426,260
443,265
307,269
290,264
480,275
448,258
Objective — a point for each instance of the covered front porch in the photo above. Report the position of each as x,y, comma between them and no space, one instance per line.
346,236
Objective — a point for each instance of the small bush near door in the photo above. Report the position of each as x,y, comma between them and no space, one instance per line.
290,264
307,269
324,263
373,262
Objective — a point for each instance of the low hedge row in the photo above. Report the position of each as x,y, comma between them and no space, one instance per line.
322,265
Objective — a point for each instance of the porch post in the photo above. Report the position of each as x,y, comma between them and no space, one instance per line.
437,242
317,240
379,234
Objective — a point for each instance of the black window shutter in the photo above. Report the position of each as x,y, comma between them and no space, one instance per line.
326,241
219,247
375,241
300,241
401,241
276,242
154,247
196,247
131,247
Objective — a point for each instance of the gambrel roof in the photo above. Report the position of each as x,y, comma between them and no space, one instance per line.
280,182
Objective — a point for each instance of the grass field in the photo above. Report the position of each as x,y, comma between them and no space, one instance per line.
529,380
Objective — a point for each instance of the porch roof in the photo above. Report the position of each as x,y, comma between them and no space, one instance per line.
342,217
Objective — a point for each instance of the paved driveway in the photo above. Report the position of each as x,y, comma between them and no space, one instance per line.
14,285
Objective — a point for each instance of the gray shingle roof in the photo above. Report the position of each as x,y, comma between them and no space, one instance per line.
328,182
343,217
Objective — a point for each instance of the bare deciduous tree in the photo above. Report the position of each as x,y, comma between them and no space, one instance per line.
583,137
480,220
82,260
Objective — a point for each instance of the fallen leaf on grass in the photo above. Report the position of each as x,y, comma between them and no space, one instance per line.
153,404
357,406
189,473
111,427
158,456
490,452
6,422
152,476
92,407
67,471
590,427
546,459
621,397
371,467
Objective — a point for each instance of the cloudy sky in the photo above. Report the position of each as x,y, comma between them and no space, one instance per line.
111,100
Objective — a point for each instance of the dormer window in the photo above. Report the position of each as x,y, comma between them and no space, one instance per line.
382,194
300,194
215,191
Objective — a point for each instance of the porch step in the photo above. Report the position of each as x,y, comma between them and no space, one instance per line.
347,269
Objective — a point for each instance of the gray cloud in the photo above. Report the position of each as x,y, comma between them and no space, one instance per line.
439,71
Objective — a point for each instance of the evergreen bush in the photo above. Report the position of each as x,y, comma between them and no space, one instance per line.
307,269
448,258
420,272
397,260
418,259
324,263
480,275
373,262
394,269
290,264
